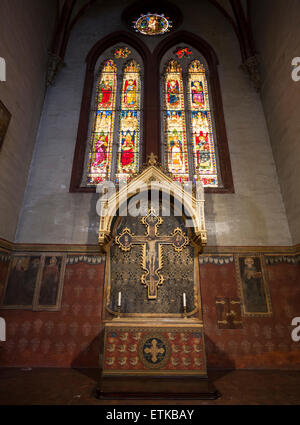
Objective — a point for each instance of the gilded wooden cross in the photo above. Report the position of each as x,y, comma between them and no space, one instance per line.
152,249
154,350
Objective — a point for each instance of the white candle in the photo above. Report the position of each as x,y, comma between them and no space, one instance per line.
184,299
119,299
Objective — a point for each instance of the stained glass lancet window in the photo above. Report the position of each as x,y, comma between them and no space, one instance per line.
188,124
100,156
129,137
114,148
205,165
175,124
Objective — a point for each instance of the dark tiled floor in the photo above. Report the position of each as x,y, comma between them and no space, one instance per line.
76,387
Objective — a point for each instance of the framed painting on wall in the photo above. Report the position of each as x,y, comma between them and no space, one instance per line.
253,286
21,282
34,282
5,117
50,285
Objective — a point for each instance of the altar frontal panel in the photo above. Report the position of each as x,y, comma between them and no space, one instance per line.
148,350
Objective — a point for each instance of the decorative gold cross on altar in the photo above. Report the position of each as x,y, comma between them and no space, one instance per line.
152,249
154,350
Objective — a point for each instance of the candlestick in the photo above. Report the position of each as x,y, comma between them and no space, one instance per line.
184,304
119,303
184,299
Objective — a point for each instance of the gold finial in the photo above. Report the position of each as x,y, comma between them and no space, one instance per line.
152,159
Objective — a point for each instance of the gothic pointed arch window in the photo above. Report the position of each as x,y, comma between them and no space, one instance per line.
113,151
188,130
137,102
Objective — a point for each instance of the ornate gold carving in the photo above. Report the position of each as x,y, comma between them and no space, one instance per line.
154,350
152,221
152,278
200,239
103,238
152,159
180,240
157,177
124,240
152,258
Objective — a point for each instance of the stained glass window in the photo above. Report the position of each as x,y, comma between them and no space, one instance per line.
116,114
190,151
175,124
182,52
100,156
205,165
122,53
188,129
129,136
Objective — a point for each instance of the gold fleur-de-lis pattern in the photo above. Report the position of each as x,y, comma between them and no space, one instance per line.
124,348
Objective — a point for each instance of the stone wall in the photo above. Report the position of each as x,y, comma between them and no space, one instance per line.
277,35
25,33
248,217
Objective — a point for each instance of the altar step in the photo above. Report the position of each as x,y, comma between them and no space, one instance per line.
159,387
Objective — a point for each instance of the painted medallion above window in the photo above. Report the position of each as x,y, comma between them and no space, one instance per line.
152,24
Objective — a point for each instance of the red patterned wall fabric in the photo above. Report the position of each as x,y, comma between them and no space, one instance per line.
263,342
71,336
